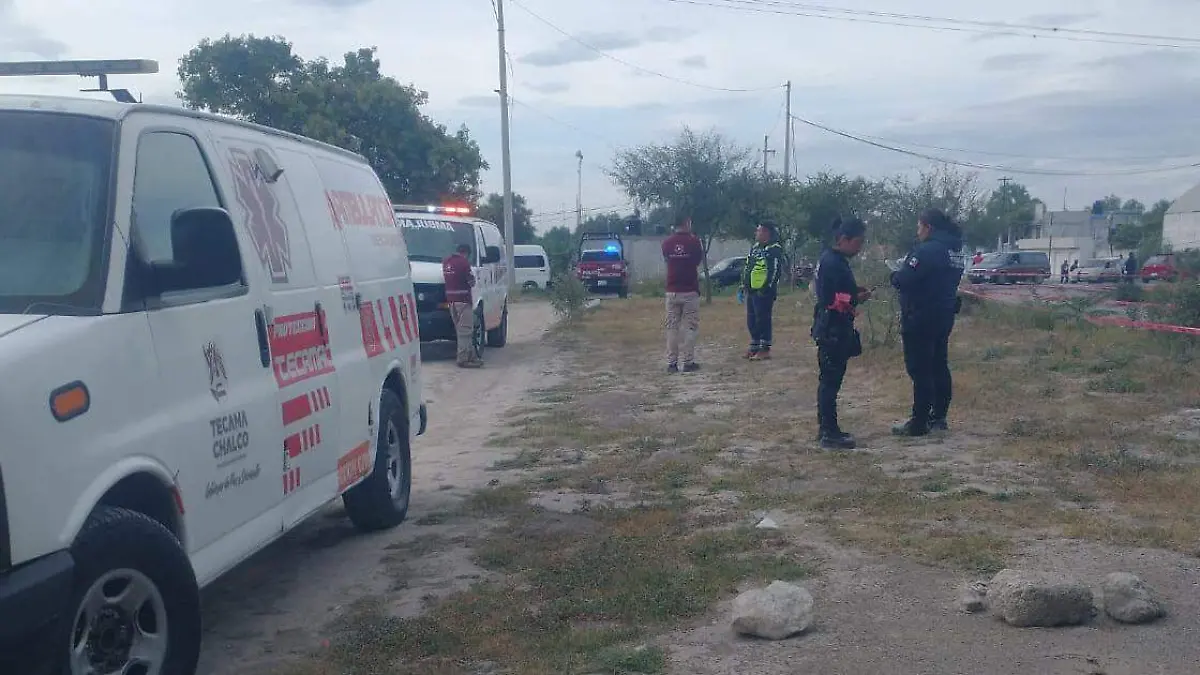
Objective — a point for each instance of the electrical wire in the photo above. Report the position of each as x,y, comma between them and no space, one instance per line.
985,24
959,25
567,212
989,167
634,66
566,124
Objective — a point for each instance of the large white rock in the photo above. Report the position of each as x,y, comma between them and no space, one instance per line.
778,611
1129,600
1028,599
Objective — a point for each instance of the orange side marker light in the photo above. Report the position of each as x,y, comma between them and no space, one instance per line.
70,401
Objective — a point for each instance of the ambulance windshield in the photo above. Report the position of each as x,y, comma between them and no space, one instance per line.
432,240
54,188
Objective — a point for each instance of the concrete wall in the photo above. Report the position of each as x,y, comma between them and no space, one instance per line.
646,261
1181,231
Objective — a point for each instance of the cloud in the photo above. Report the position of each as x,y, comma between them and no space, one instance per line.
479,102
19,40
668,34
565,52
1017,61
549,87
698,62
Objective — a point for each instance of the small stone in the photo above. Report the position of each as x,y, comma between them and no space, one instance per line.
1036,599
767,524
778,611
973,598
1128,599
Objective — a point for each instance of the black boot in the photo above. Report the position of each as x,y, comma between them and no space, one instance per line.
938,424
836,439
911,428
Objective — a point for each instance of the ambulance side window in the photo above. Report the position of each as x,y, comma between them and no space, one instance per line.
170,174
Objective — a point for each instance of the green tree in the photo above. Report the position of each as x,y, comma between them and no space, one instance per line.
956,193
1134,206
351,105
702,176
492,209
1009,208
559,245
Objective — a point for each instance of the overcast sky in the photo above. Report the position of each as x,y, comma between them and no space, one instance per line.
1021,102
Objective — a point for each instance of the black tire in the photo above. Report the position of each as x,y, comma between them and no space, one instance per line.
623,293
498,336
116,540
371,504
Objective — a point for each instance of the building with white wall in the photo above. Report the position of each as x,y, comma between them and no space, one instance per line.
1075,235
1181,224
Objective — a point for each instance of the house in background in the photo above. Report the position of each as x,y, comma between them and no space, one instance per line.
1077,235
1181,224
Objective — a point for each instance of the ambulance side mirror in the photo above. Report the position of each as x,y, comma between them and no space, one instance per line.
205,249
491,254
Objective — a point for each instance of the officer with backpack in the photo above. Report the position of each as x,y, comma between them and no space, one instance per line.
760,288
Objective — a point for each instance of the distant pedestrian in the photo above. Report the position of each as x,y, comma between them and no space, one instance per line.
1065,273
760,285
1130,268
456,272
978,258
928,285
683,254
834,308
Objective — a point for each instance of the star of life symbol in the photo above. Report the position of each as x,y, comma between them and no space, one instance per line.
218,379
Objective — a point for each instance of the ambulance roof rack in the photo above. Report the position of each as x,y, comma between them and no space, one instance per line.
95,68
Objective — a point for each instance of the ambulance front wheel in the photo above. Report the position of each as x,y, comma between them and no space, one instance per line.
135,604
381,500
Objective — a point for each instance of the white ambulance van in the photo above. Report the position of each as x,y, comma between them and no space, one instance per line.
531,266
207,332
431,234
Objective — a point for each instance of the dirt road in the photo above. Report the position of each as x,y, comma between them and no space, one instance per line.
274,606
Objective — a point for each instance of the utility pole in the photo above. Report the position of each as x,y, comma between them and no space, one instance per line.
579,191
505,155
1004,213
787,136
766,151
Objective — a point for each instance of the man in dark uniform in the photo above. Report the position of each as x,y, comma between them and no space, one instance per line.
760,284
1130,268
837,295
928,285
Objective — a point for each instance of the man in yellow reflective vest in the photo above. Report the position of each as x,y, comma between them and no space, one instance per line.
760,285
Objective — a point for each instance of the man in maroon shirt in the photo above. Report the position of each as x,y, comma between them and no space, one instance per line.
683,254
456,270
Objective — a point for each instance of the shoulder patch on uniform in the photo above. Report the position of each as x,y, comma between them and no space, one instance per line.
912,262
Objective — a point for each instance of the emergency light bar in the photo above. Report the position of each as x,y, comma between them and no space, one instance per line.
96,68
433,208
82,68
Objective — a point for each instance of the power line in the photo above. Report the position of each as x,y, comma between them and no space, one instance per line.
566,124
971,151
548,214
972,22
634,66
981,165
953,25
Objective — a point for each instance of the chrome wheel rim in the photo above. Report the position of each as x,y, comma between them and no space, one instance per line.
120,627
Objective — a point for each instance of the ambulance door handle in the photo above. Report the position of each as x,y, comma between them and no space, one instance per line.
321,324
264,348
358,301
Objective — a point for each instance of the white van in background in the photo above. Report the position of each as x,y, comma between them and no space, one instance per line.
431,234
207,332
532,267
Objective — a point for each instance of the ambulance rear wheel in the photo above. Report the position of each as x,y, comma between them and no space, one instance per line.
135,604
498,336
381,500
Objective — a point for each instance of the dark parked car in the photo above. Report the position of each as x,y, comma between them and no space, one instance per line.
728,272
1011,268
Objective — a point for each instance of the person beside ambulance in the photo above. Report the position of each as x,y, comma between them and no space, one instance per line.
456,271
760,288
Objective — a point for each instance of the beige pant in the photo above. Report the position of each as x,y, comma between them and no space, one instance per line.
683,316
464,330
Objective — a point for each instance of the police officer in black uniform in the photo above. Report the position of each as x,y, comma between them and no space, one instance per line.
928,285
837,295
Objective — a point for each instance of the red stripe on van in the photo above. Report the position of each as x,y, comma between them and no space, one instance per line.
296,409
396,321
